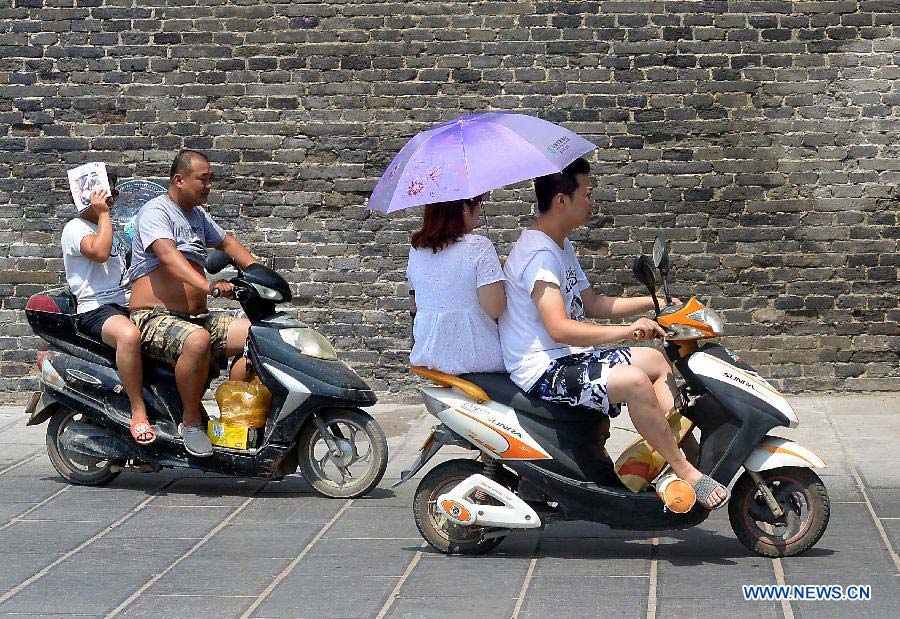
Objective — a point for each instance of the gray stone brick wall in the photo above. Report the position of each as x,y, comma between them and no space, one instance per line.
760,136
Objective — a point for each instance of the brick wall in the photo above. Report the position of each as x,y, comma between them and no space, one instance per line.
761,137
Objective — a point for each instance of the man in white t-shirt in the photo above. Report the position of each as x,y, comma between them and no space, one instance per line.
94,260
552,352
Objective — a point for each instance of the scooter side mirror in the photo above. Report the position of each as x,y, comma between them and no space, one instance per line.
643,272
661,261
661,255
217,260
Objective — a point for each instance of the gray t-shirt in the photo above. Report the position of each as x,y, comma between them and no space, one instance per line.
160,218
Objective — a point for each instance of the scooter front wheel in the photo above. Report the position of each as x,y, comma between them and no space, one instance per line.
75,468
358,467
446,536
802,497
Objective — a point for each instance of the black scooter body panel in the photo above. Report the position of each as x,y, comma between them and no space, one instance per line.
327,378
91,386
61,331
167,451
576,447
732,422
614,506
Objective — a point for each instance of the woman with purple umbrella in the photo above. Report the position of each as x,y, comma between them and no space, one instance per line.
456,284
455,275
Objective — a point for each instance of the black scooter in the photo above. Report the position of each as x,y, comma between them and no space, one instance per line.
538,462
315,422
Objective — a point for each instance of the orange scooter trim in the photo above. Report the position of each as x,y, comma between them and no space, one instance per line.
681,318
449,380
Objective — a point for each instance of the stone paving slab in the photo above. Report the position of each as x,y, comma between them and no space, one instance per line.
340,594
222,547
193,606
586,596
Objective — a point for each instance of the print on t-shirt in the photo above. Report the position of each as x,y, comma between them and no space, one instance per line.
576,310
571,279
118,250
576,307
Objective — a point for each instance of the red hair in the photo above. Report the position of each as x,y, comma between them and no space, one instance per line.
442,224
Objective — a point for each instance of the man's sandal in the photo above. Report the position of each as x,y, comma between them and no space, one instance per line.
142,432
704,488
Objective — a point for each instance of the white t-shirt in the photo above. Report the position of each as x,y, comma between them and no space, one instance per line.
93,283
527,347
452,332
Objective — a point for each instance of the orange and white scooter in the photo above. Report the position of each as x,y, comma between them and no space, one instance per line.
538,462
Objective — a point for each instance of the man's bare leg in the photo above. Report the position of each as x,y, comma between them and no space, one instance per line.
629,383
660,373
125,337
238,331
658,370
191,372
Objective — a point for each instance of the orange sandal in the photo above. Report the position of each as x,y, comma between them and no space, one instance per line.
142,432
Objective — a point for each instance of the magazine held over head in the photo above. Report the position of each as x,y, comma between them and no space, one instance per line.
84,179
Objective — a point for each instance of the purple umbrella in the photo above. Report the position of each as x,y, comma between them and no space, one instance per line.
472,155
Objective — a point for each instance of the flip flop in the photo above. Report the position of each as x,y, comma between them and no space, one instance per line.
704,488
142,432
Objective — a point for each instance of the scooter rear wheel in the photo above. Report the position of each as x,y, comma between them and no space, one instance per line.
75,468
362,463
802,496
437,530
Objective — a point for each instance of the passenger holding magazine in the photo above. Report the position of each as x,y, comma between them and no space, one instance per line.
95,270
456,284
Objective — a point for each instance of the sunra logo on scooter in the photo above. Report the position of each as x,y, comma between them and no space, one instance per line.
474,408
739,380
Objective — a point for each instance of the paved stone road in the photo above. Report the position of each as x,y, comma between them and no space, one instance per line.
177,544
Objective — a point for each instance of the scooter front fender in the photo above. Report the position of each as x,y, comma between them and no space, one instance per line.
774,452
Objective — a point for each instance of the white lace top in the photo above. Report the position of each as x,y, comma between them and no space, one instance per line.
452,332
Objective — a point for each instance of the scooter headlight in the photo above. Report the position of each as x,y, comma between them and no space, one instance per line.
309,342
684,332
709,317
267,293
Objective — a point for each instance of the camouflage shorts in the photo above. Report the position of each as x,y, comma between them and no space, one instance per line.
163,333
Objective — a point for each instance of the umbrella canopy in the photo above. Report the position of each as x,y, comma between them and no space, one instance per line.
472,155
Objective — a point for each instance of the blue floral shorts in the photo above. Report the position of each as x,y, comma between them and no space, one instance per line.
580,380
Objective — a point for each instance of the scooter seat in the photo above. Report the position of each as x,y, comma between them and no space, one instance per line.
501,389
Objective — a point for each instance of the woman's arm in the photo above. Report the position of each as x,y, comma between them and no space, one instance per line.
492,298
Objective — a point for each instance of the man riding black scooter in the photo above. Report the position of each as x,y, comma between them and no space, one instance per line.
169,289
314,422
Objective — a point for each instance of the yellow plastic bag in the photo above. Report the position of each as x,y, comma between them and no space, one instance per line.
244,404
639,464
